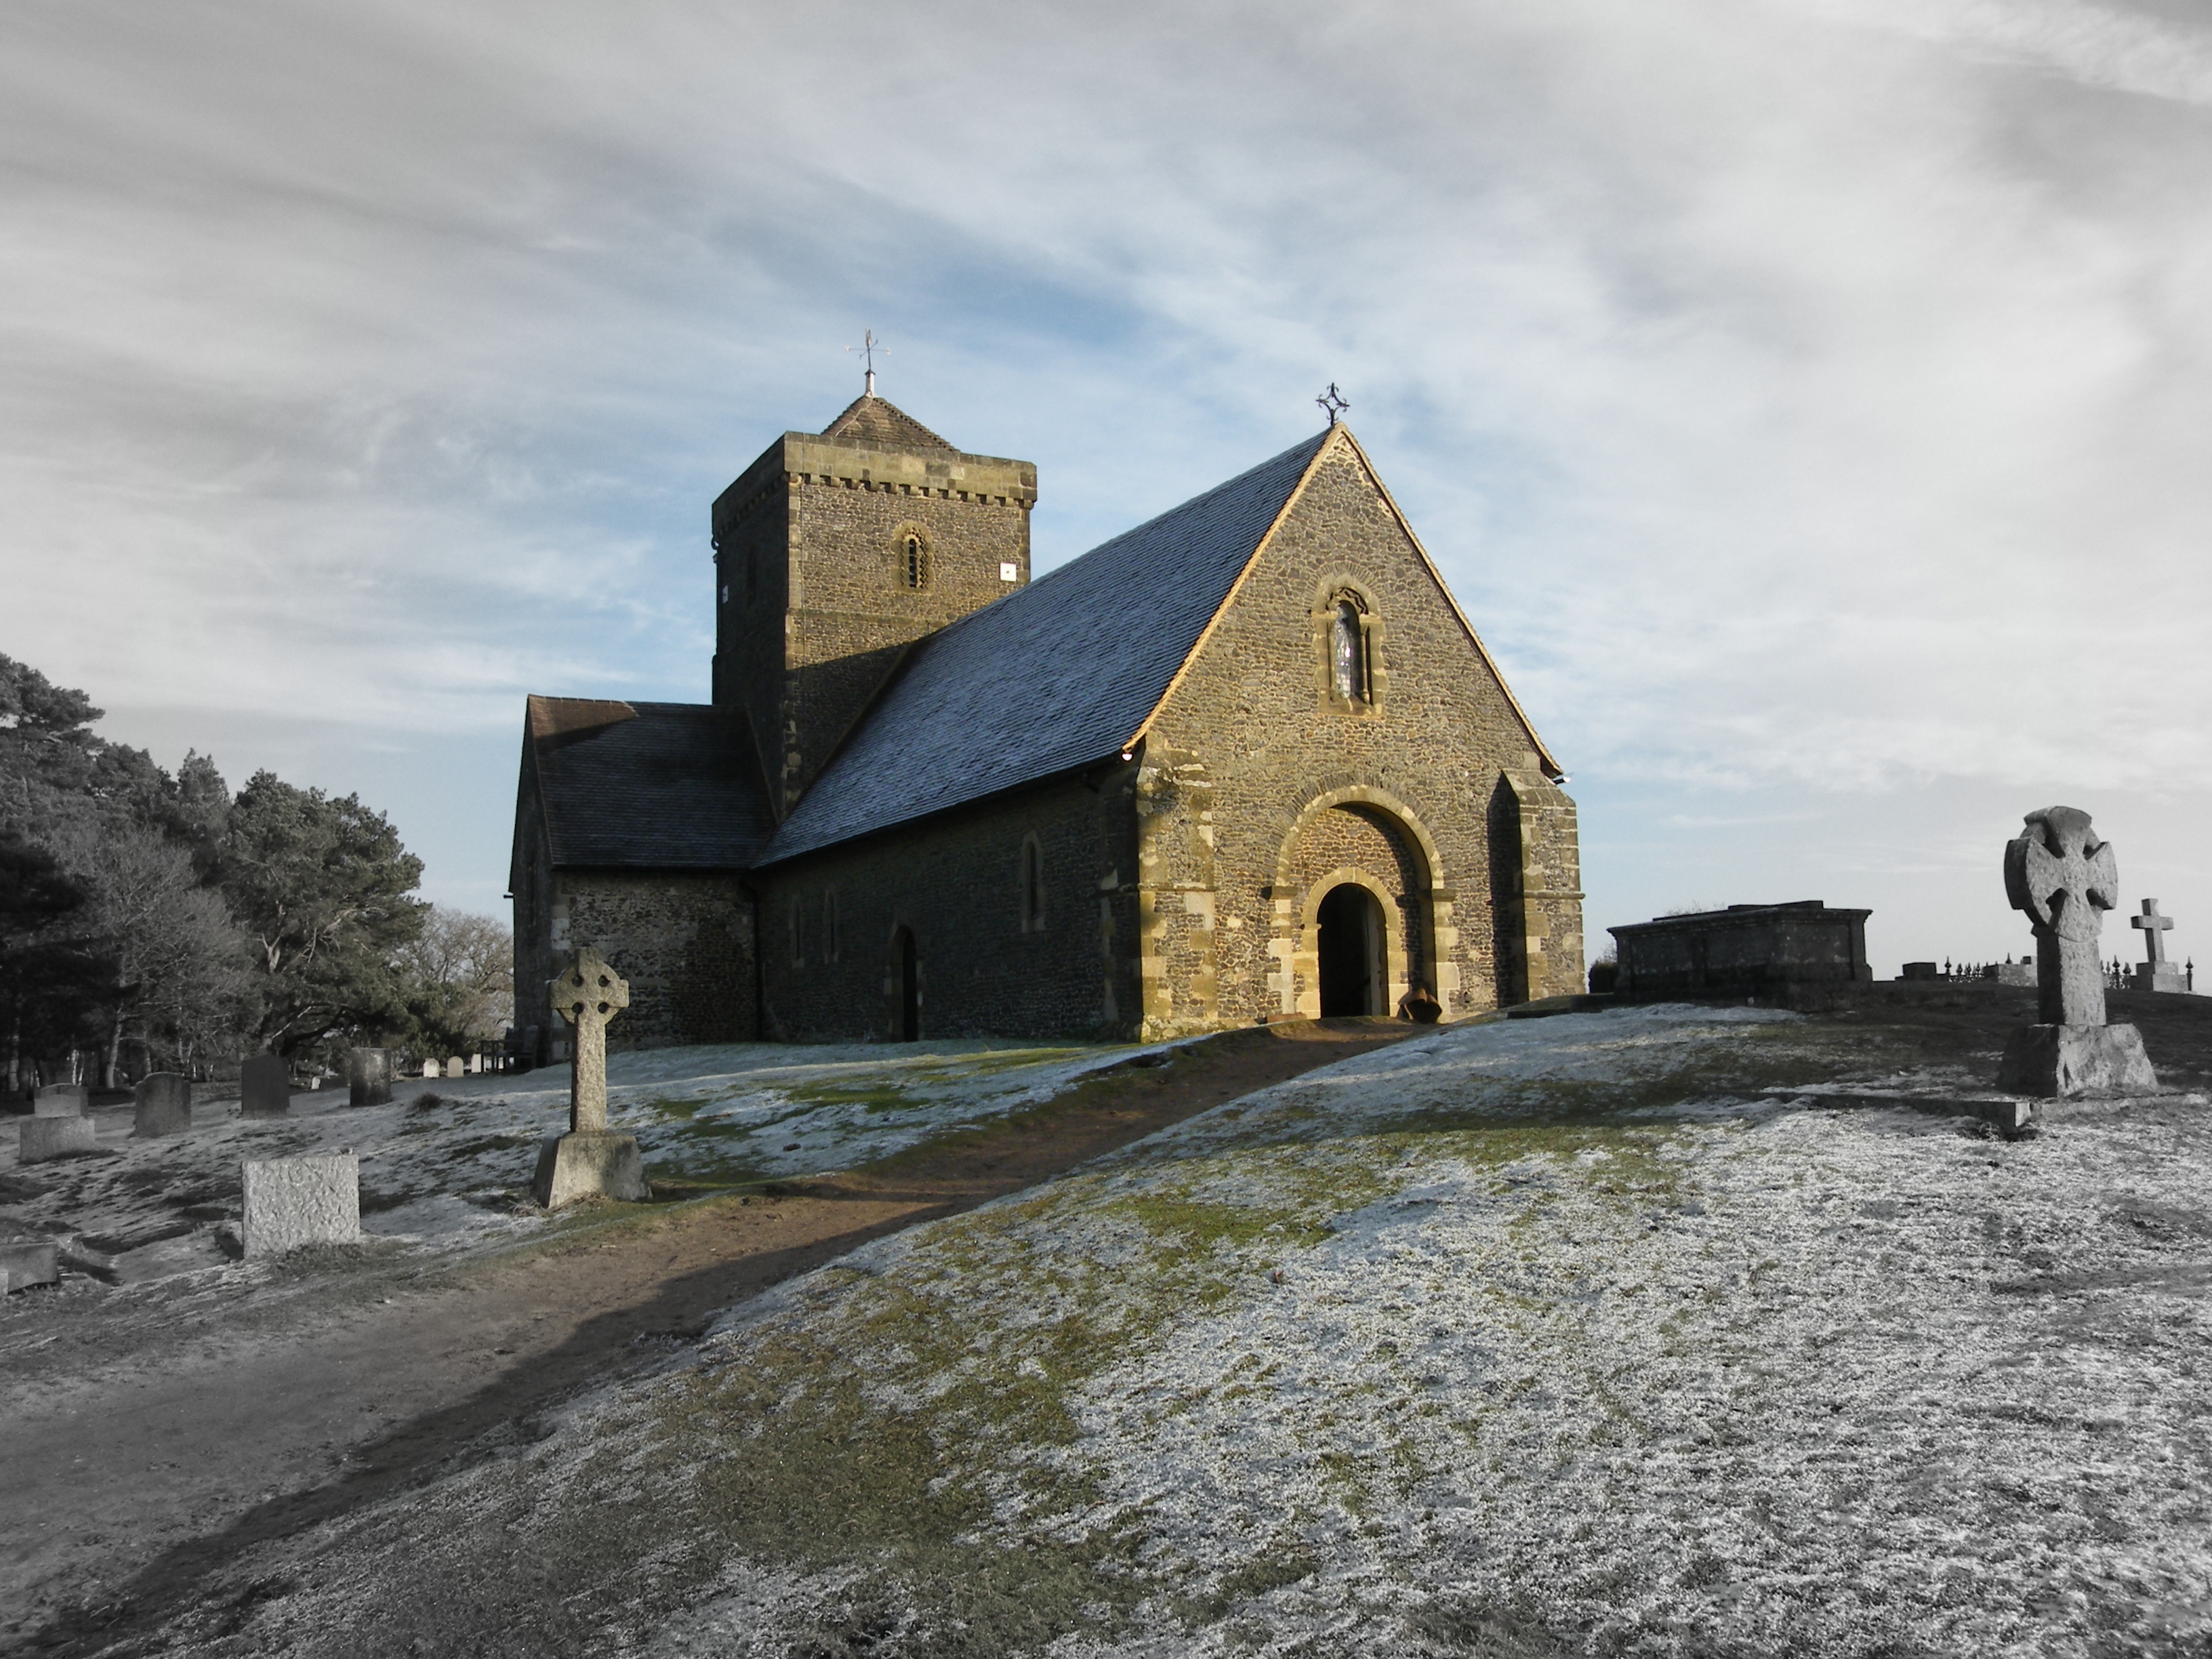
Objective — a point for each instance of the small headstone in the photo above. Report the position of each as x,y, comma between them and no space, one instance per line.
164,1105
24,1264
369,1073
589,1159
2156,973
264,1087
454,1067
292,1202
475,1065
53,1137
63,1100
2064,875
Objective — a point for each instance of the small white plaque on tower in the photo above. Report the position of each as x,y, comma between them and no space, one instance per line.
1009,571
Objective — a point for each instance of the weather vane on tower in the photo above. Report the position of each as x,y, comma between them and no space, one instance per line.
1333,403
869,346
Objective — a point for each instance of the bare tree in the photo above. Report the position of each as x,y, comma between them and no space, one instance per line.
180,957
460,978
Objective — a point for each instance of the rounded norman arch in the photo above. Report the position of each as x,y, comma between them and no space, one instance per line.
913,557
1417,937
1361,794
1384,973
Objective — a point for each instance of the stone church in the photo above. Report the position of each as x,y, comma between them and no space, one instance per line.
1249,761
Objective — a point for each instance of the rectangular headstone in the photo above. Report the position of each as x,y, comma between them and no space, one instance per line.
23,1265
475,1065
430,1068
264,1087
292,1202
369,1073
454,1067
164,1105
63,1100
53,1137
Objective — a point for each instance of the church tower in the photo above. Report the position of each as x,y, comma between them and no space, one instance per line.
833,552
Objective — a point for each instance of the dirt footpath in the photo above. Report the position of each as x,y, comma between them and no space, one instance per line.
153,1435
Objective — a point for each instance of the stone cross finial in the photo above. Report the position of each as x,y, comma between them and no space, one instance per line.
2153,925
587,996
2065,878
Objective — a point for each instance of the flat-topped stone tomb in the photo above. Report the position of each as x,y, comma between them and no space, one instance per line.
1747,950
293,1201
264,1087
44,1138
162,1105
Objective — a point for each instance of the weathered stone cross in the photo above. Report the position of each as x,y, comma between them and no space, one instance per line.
2064,876
2153,925
587,996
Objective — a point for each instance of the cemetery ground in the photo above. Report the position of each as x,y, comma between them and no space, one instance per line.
169,1398
1648,1330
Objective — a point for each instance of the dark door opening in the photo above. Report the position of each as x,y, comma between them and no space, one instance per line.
909,973
1351,952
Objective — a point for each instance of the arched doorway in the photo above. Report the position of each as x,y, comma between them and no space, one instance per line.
1350,950
909,986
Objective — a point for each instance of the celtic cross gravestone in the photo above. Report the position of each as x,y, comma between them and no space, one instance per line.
589,1160
2064,875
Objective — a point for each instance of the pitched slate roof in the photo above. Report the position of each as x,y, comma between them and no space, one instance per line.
663,786
1057,675
879,424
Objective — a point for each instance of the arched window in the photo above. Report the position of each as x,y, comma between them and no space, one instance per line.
1032,887
913,560
1348,651
798,932
829,925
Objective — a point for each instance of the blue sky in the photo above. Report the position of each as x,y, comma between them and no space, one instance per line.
1806,398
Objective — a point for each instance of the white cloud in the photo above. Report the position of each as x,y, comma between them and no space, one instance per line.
1804,396
2102,47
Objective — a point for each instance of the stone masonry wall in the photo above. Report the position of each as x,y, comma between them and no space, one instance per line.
684,940
1254,740
1551,900
752,533
530,875
815,533
957,881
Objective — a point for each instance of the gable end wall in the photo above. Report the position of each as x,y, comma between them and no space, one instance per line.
1249,740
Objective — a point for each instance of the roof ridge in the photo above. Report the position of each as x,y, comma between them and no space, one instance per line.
869,419
987,704
1320,447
